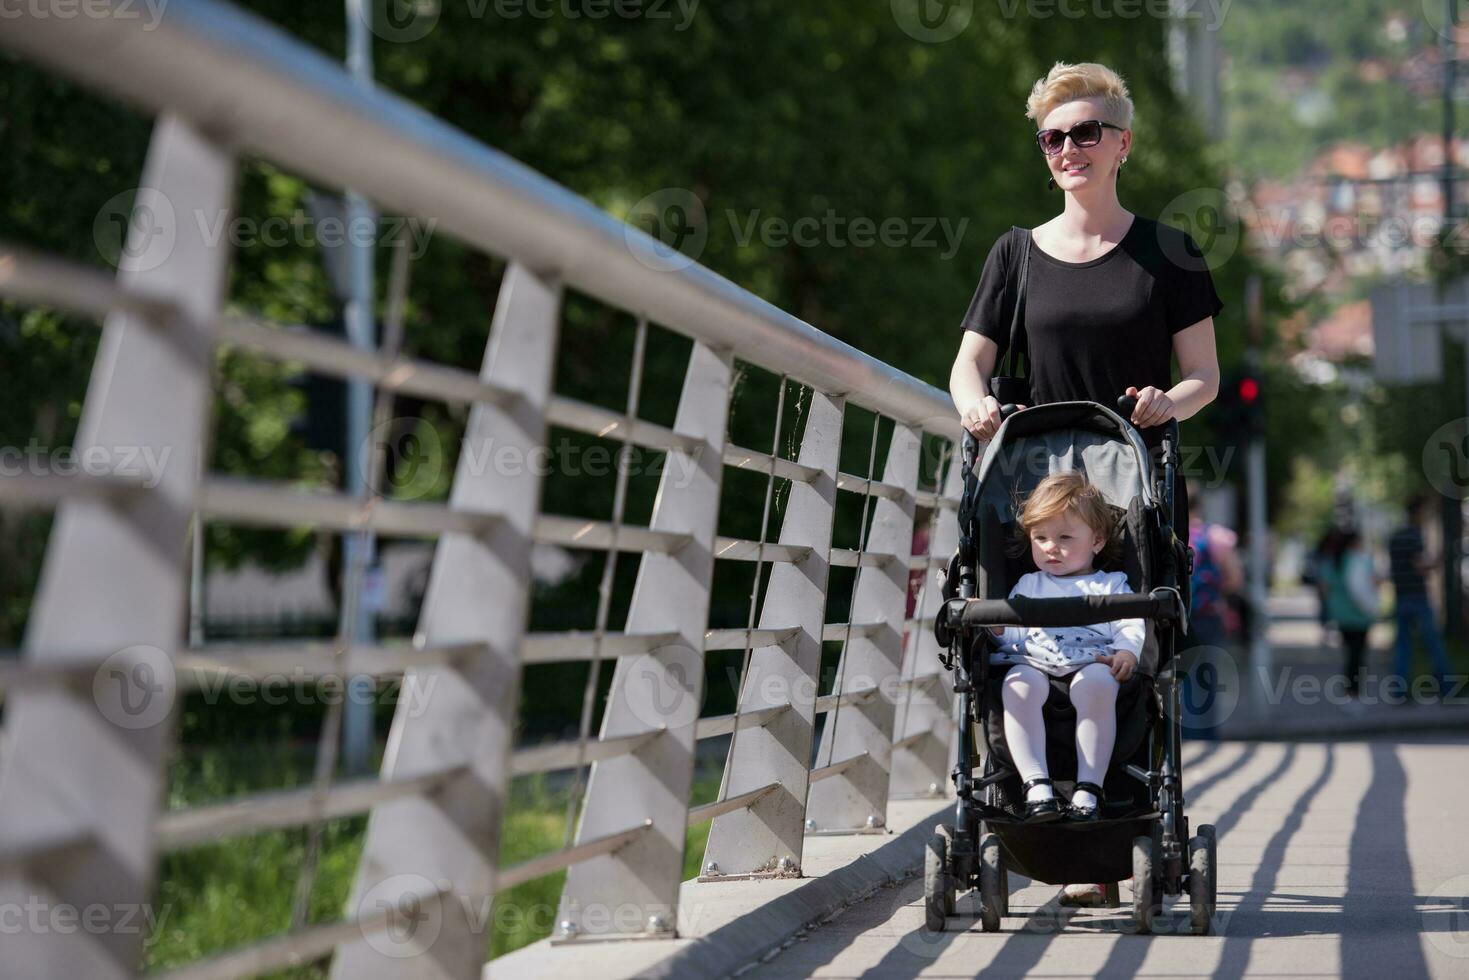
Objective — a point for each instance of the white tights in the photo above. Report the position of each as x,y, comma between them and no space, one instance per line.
1093,694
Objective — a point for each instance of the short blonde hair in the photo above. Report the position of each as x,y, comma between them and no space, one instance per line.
1059,492
1088,80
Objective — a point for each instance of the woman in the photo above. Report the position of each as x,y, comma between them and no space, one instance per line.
1351,598
1112,297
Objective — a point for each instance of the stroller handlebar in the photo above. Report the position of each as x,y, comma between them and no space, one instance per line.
1066,611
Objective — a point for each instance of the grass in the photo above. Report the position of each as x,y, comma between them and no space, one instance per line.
218,897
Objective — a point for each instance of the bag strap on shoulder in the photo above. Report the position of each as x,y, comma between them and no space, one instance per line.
1016,361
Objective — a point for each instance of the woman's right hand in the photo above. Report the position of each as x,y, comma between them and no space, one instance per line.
983,418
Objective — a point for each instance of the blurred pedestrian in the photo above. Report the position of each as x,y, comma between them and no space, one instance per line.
1412,608
1350,586
1218,574
1311,575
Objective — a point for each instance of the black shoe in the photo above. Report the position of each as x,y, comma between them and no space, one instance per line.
1041,811
1085,814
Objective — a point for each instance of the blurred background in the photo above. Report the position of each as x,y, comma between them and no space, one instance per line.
1315,157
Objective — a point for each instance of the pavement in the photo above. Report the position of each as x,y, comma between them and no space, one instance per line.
1335,859
1299,691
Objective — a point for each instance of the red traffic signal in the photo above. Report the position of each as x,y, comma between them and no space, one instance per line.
1249,390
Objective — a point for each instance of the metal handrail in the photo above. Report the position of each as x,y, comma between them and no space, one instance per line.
269,94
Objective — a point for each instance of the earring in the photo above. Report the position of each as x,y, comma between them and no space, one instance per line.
1051,183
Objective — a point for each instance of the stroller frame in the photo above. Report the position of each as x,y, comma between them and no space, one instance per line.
1152,841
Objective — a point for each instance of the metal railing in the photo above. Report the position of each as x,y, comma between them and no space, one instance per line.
82,773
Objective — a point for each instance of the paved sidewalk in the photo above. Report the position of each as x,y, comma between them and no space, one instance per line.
1336,859
1301,693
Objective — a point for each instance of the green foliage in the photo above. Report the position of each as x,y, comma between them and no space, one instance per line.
1294,82
221,896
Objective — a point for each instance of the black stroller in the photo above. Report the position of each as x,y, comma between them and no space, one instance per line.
1142,832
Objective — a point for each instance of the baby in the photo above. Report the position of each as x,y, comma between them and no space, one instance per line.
1069,525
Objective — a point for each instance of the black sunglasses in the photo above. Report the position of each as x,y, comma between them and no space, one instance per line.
1089,133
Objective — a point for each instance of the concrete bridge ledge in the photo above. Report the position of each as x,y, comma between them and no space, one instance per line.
727,925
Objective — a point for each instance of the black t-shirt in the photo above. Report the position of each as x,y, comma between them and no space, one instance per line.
1095,328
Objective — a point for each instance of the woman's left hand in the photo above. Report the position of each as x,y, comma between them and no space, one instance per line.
1154,407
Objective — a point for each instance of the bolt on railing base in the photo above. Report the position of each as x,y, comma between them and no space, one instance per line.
786,867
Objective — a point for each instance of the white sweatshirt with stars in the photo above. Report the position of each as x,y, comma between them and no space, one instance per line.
1061,650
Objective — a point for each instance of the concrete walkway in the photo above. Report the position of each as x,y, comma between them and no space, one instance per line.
1341,859
1300,693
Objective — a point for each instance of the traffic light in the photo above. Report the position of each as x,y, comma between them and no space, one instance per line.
1238,413
1249,394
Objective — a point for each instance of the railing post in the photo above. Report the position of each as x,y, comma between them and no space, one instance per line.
634,890
447,717
83,771
921,759
755,840
856,798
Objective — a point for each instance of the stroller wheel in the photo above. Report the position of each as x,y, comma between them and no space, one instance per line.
1207,832
1200,885
993,902
938,882
1145,902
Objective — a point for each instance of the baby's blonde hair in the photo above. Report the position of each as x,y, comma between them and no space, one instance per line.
1060,491
1088,80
